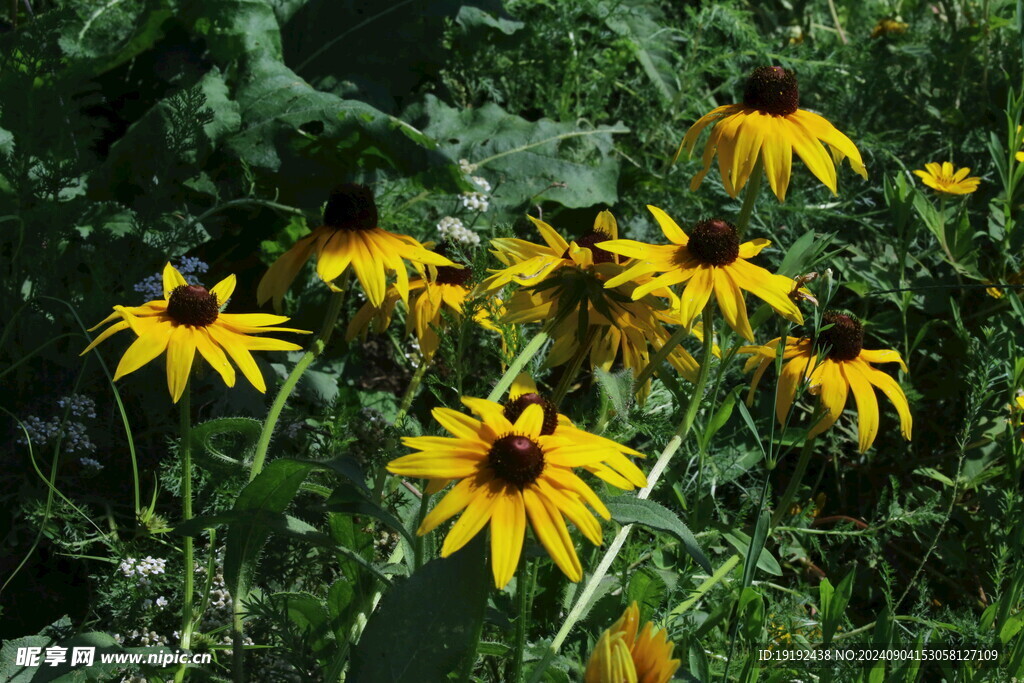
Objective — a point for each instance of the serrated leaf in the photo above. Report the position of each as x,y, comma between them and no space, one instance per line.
425,626
538,161
630,510
271,491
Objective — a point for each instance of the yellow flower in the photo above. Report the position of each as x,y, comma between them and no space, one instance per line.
845,367
769,123
188,319
564,285
710,259
508,471
888,27
350,237
942,178
438,288
622,656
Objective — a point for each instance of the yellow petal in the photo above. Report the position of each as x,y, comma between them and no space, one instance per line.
460,425
778,157
113,329
893,392
833,390
731,303
556,242
773,289
144,349
883,356
474,517
232,342
695,296
550,529
215,356
669,227
792,376
172,278
867,404
522,384
181,349
508,529
224,289
279,277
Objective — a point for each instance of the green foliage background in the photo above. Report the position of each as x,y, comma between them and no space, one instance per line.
136,133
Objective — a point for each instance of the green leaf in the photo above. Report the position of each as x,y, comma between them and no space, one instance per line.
348,500
539,161
234,29
630,510
100,36
648,590
750,612
618,387
228,456
271,491
833,604
765,561
720,417
425,626
470,18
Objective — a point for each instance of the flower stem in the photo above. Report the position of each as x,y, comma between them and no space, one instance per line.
666,349
524,357
652,479
794,483
418,540
185,452
572,369
750,197
523,589
410,391
319,344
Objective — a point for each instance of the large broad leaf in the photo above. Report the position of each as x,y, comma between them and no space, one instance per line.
426,626
530,161
278,106
237,28
102,35
629,510
270,492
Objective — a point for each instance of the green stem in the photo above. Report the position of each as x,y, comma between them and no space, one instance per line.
794,483
319,344
410,391
523,590
678,335
185,451
417,559
707,585
572,369
652,479
524,357
750,197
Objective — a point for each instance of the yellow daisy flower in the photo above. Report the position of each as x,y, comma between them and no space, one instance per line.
942,178
623,656
437,288
889,27
508,471
564,282
350,237
188,319
709,259
770,124
845,367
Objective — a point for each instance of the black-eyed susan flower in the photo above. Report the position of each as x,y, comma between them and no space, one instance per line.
437,288
189,319
709,260
350,237
563,284
770,126
889,27
626,654
947,179
508,472
836,365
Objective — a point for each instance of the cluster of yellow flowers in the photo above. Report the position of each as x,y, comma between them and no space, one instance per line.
600,298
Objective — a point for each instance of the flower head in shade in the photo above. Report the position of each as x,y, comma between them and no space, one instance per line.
836,365
709,260
626,654
350,237
889,27
189,319
563,285
508,472
438,288
770,125
945,178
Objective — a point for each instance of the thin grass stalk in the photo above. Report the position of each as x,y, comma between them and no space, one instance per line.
576,613
185,453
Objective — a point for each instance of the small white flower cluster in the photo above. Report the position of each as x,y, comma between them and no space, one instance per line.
160,602
142,569
146,638
91,463
451,229
475,201
413,355
218,612
466,167
481,183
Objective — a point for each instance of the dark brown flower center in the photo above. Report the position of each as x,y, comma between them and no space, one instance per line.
516,459
772,90
844,339
447,275
515,408
588,241
193,305
714,242
351,207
